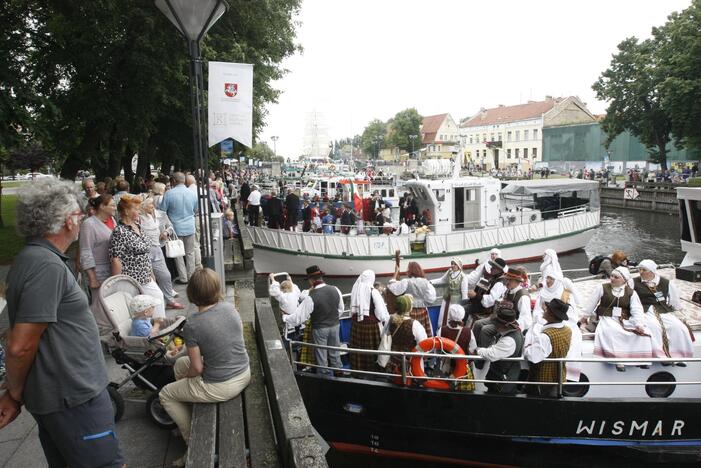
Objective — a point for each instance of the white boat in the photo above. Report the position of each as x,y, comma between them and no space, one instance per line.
470,216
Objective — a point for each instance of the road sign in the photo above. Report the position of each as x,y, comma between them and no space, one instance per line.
630,193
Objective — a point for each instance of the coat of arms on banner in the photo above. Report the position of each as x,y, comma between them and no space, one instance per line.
231,89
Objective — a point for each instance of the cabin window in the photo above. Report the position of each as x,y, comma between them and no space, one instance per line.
440,194
684,222
391,192
383,193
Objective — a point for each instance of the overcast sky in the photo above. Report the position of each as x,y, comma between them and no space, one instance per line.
366,59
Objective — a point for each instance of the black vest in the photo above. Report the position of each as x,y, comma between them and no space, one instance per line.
515,297
648,298
325,312
507,371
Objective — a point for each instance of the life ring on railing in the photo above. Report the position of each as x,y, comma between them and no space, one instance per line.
448,347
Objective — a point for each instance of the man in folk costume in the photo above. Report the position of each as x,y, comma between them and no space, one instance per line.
456,289
369,316
513,293
509,344
621,331
552,340
555,287
422,291
463,336
484,269
660,297
322,305
488,290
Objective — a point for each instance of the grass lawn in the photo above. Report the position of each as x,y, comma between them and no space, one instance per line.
11,183
10,242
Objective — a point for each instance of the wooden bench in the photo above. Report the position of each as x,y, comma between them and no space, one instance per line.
217,435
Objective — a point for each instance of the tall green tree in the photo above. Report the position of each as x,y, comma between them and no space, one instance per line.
374,137
404,124
631,86
679,63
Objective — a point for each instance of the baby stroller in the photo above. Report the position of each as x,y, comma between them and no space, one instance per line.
145,358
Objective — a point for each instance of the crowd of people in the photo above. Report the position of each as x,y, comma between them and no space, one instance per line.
494,312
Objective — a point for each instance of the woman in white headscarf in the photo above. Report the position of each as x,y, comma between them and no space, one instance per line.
455,288
456,330
660,298
555,288
369,315
621,331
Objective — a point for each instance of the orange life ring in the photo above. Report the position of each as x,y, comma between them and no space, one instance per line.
448,347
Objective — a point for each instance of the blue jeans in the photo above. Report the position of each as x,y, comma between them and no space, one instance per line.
326,357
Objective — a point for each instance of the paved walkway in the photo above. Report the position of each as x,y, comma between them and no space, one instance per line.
144,444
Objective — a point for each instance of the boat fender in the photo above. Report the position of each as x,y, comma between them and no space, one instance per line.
447,347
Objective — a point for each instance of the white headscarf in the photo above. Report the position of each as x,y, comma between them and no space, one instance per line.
458,262
626,275
456,313
361,295
648,265
550,260
487,266
554,292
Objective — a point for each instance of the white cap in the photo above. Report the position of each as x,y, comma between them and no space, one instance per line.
648,265
140,303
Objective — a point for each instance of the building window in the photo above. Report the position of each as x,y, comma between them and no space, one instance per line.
484,154
484,138
518,135
535,134
534,153
439,148
499,136
518,153
491,137
525,135
508,153
508,136
525,153
470,139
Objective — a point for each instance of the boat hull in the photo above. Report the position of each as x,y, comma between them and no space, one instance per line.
268,260
381,419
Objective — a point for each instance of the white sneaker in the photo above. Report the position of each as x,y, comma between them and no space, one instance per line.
174,293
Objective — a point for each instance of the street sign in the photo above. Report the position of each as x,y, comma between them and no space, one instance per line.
630,193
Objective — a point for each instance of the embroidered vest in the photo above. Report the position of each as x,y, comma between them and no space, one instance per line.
460,335
453,288
402,335
514,298
648,298
609,301
560,339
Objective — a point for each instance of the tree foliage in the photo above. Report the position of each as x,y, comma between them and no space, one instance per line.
404,124
96,82
262,152
374,137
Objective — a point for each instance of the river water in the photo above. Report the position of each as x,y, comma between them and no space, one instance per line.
640,234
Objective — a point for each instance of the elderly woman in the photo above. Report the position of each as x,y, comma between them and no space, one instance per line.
130,253
216,366
406,332
155,230
554,286
621,331
422,292
369,315
95,233
660,298
456,288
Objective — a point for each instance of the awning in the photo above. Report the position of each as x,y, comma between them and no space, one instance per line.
552,186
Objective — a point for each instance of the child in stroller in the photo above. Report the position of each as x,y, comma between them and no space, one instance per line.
146,358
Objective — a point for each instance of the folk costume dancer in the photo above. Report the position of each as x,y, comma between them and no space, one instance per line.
621,331
463,336
287,294
322,305
509,344
406,333
552,340
422,292
660,297
553,287
369,317
456,289
484,269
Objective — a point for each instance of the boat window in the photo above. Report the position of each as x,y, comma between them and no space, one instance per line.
323,185
468,194
695,217
383,193
684,222
391,192
440,194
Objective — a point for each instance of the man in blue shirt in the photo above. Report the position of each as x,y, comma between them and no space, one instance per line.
180,204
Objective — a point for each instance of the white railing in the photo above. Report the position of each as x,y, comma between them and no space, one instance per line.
383,245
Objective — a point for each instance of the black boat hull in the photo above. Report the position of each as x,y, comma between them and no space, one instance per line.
433,426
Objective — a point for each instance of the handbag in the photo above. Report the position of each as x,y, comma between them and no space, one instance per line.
174,246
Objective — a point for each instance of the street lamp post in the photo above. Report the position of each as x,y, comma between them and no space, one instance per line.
413,139
194,18
274,138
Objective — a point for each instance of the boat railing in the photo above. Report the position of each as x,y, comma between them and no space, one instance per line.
405,377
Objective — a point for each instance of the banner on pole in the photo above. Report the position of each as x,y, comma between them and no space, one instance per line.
230,110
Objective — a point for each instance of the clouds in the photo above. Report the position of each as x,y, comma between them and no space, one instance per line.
370,59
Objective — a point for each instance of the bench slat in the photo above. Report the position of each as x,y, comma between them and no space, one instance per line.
203,435
232,434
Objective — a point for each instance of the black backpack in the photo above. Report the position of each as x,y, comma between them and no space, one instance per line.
595,263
